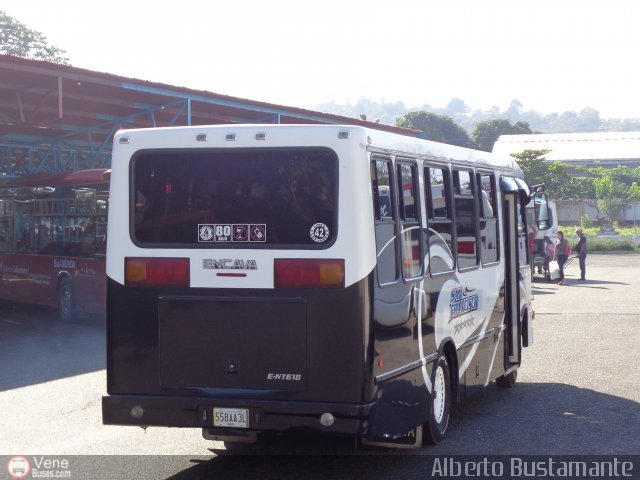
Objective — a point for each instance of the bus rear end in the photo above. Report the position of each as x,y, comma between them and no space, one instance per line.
238,280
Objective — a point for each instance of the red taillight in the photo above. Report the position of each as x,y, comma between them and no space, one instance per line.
308,273
156,271
466,247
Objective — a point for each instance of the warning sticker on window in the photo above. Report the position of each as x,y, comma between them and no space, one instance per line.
241,233
205,232
237,232
258,233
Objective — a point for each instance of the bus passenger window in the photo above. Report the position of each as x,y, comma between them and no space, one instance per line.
440,223
523,241
383,205
489,240
411,231
466,219
385,227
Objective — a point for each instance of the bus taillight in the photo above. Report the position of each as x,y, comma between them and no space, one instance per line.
156,271
308,272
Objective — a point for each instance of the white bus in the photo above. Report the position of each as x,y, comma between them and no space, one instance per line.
333,279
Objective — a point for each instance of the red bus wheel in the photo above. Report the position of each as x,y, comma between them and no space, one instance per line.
66,300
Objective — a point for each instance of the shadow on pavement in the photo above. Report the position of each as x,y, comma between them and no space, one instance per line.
571,420
35,347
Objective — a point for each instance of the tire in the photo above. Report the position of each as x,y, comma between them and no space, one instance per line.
508,380
66,301
439,403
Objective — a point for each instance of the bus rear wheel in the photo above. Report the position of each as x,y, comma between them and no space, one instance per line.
66,300
439,404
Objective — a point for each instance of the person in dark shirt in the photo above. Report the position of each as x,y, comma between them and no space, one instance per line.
581,252
561,254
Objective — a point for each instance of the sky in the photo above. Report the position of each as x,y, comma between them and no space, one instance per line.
551,55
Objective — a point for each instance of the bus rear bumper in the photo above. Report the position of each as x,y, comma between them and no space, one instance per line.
146,411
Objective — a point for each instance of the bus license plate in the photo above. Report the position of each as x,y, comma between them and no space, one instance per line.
231,417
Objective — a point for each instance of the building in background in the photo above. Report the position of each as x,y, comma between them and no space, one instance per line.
597,149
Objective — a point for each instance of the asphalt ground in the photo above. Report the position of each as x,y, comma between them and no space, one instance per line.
578,393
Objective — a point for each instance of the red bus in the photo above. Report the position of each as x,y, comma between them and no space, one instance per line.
53,230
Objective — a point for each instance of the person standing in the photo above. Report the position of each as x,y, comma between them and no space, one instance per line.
561,255
549,252
581,252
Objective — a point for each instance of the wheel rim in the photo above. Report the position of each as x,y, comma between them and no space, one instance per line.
439,393
65,300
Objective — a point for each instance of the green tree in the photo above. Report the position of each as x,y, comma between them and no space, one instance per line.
17,39
438,128
634,192
533,165
581,186
611,194
456,106
615,188
556,176
487,132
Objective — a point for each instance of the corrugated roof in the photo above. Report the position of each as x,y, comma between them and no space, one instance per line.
44,103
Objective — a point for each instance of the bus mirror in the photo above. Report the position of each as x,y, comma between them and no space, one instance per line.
541,209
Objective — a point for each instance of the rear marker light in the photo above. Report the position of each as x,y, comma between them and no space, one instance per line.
327,420
309,273
156,271
137,412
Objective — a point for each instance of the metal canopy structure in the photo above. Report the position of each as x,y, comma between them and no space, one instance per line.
56,118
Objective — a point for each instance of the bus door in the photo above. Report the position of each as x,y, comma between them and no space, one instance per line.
515,242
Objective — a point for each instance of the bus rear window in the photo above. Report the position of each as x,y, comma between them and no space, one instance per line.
235,198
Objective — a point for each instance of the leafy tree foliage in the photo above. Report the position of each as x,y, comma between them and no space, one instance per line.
586,120
456,106
634,192
613,188
581,186
487,132
610,194
438,128
17,39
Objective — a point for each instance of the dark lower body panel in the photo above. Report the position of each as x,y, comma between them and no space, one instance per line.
263,416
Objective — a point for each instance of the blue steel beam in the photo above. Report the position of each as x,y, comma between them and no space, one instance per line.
226,103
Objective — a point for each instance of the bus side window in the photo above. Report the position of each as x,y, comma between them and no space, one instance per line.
489,238
411,237
440,223
523,242
466,218
382,200
385,225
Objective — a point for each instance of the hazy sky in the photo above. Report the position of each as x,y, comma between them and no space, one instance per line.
552,55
